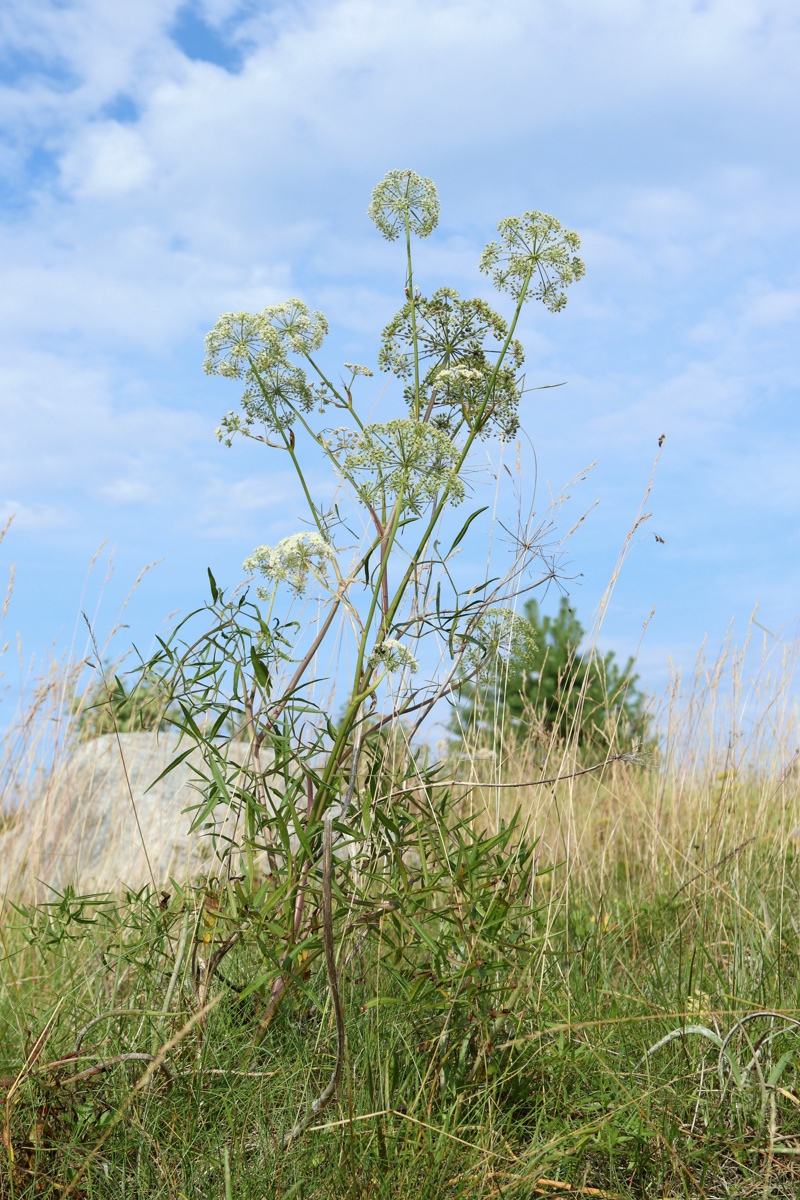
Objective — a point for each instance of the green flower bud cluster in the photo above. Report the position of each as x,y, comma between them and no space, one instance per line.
535,254
403,458
457,339
500,636
255,347
404,197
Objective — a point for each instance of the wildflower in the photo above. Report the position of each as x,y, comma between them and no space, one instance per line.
500,636
463,392
275,391
535,254
459,376
449,331
456,341
339,440
254,347
394,656
358,370
292,561
297,327
404,457
237,341
404,198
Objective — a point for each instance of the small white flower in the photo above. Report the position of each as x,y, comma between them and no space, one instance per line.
292,561
358,370
459,375
394,656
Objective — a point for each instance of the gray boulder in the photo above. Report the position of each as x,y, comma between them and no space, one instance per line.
84,829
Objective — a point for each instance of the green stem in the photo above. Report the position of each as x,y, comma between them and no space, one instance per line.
356,699
325,380
358,694
288,441
439,509
413,302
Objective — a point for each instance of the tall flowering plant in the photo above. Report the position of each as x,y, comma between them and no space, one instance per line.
376,562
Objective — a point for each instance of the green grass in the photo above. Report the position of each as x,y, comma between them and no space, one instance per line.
626,1027
544,1076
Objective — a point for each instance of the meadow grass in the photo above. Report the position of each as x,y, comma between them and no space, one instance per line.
521,966
643,1044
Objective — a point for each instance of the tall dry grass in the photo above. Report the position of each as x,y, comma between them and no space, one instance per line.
721,780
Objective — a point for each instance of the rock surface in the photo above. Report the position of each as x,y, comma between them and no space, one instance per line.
84,829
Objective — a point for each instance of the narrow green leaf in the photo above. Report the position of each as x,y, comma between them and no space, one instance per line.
462,532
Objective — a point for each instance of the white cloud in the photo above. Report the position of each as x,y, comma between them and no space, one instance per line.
657,130
36,517
111,160
773,306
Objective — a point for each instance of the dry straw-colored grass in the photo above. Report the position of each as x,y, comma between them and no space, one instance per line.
721,781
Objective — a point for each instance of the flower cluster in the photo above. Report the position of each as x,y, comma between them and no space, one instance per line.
470,394
535,255
292,561
404,458
449,331
297,327
500,636
403,197
457,339
394,656
239,341
255,347
358,370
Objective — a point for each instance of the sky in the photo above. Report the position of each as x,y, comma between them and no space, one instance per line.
162,163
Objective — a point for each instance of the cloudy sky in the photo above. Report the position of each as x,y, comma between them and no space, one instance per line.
161,163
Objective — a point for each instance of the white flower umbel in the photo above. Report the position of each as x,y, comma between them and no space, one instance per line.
460,376
500,636
394,656
404,196
358,370
237,341
255,347
292,561
404,457
536,249
299,328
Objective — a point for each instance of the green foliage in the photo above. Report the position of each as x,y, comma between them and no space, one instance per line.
645,1046
353,877
559,691
110,707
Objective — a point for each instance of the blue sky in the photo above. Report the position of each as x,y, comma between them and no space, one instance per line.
161,163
